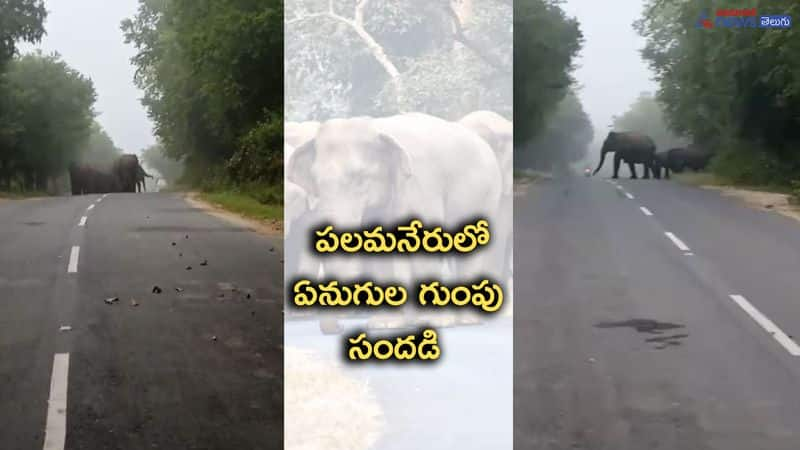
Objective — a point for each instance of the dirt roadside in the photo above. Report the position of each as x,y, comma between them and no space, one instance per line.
760,200
271,228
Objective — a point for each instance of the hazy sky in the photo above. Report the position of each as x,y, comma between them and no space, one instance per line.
610,70
87,35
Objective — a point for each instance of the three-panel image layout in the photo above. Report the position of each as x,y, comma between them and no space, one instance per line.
399,225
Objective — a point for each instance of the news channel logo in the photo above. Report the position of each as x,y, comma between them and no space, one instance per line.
742,18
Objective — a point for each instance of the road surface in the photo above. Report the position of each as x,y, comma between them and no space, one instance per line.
650,315
195,369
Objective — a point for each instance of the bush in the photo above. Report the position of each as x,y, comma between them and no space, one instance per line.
751,165
259,157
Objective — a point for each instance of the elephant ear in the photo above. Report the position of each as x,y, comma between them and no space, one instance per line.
400,160
298,167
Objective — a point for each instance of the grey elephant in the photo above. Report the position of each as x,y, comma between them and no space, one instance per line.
85,179
126,169
633,148
661,161
694,157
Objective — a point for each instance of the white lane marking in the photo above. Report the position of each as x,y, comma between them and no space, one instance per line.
627,194
72,267
82,223
104,196
618,186
688,254
91,207
678,243
787,342
646,211
55,432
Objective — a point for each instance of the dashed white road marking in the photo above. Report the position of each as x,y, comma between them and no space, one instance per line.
72,267
91,207
787,342
104,196
688,254
82,223
646,211
56,428
678,243
629,195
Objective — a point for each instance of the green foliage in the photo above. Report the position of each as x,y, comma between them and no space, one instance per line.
564,140
546,42
211,73
646,116
20,20
260,154
736,91
46,120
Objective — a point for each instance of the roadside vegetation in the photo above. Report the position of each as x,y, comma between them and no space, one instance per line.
213,87
46,111
744,105
551,128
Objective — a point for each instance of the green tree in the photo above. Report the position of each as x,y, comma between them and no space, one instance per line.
20,20
210,70
49,114
735,91
565,138
546,42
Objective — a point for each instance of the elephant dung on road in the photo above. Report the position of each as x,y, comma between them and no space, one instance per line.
633,148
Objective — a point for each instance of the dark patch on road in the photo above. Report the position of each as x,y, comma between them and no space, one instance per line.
650,326
641,325
33,224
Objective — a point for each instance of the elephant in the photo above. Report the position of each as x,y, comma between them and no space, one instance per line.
296,134
633,148
363,171
296,227
693,156
89,180
498,132
126,169
661,161
140,182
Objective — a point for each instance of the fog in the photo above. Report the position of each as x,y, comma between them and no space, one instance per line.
610,73
86,33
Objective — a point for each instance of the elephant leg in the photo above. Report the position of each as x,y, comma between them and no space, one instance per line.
632,167
646,171
666,172
617,161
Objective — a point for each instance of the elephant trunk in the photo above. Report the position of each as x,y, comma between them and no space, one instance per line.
602,160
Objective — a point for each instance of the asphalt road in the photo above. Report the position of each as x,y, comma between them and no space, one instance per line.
195,369
629,338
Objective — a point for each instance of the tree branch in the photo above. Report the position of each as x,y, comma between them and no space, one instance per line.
459,36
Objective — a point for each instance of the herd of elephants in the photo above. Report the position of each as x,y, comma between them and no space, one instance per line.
635,148
125,175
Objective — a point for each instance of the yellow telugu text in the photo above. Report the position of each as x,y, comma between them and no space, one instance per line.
485,295
400,348
411,238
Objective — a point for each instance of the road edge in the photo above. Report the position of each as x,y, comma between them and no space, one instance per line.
764,201
273,230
